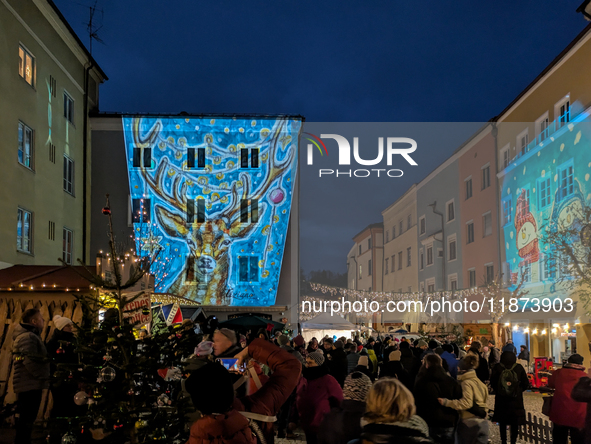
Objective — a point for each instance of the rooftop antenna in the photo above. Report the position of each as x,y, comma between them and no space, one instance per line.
92,27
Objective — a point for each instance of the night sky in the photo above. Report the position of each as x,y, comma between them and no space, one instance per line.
330,61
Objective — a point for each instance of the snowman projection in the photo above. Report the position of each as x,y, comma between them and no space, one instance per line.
567,213
527,236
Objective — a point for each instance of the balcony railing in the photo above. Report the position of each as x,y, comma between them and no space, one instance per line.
545,134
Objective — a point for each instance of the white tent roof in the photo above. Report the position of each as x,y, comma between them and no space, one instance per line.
325,321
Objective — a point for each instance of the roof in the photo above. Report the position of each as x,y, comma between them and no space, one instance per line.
43,277
406,193
67,25
553,63
369,227
107,114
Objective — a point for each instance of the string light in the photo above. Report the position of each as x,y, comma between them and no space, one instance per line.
544,331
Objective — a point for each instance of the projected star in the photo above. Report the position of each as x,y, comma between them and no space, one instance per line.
151,243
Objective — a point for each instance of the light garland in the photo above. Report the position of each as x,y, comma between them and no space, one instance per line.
166,299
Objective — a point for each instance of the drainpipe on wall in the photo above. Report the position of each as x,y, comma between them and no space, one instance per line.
84,160
495,132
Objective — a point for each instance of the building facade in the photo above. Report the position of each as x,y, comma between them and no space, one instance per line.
368,255
48,81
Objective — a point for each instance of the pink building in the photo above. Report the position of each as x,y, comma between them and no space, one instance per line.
478,212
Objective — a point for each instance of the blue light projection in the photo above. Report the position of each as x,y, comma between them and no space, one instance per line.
215,195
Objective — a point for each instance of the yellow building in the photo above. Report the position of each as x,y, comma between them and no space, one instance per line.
48,84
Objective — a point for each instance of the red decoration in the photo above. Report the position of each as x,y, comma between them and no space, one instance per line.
106,211
269,327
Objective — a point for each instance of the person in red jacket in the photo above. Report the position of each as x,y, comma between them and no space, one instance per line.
224,419
317,393
567,414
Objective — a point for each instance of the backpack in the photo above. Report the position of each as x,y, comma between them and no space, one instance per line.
508,382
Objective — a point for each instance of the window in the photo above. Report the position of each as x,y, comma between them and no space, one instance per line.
68,175
68,108
386,267
369,244
400,228
25,145
566,180
562,111
193,153
408,222
525,269
24,231
254,158
486,224
67,247
400,260
26,65
544,267
369,269
468,183
451,247
254,210
522,141
490,273
248,268
52,86
422,259
191,204
422,287
430,255
359,249
52,153
472,277
507,210
394,232
470,228
141,210
360,271
544,187
505,157
387,234
542,127
452,281
485,177
408,257
142,157
422,225
450,211
393,263
431,287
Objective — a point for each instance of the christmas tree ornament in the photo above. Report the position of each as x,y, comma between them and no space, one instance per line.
107,374
106,211
81,398
60,351
164,400
97,393
68,438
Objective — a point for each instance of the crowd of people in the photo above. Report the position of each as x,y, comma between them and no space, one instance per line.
384,390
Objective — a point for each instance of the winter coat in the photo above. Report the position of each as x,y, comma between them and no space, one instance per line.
566,411
482,372
338,365
313,398
434,383
31,363
413,431
452,364
374,360
352,360
395,369
215,429
473,392
387,352
510,348
342,424
294,353
411,363
524,355
65,340
582,393
494,357
509,410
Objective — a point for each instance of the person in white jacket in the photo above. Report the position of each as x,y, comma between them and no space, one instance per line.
473,426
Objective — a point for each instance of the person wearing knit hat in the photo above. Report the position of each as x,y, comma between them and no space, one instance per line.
337,362
343,423
62,322
212,392
283,342
394,369
363,366
363,361
314,393
395,355
299,341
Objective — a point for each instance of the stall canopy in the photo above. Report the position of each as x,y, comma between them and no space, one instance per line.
252,323
325,324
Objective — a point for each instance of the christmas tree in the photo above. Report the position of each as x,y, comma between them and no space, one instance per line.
126,390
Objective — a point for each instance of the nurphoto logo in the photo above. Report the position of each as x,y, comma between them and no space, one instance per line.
402,146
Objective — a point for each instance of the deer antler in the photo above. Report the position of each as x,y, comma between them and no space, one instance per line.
178,199
274,170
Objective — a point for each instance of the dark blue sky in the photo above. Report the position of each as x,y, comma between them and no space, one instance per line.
358,61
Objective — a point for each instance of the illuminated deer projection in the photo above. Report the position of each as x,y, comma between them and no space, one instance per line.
205,274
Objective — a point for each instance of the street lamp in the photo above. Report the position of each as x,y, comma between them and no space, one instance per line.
433,206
